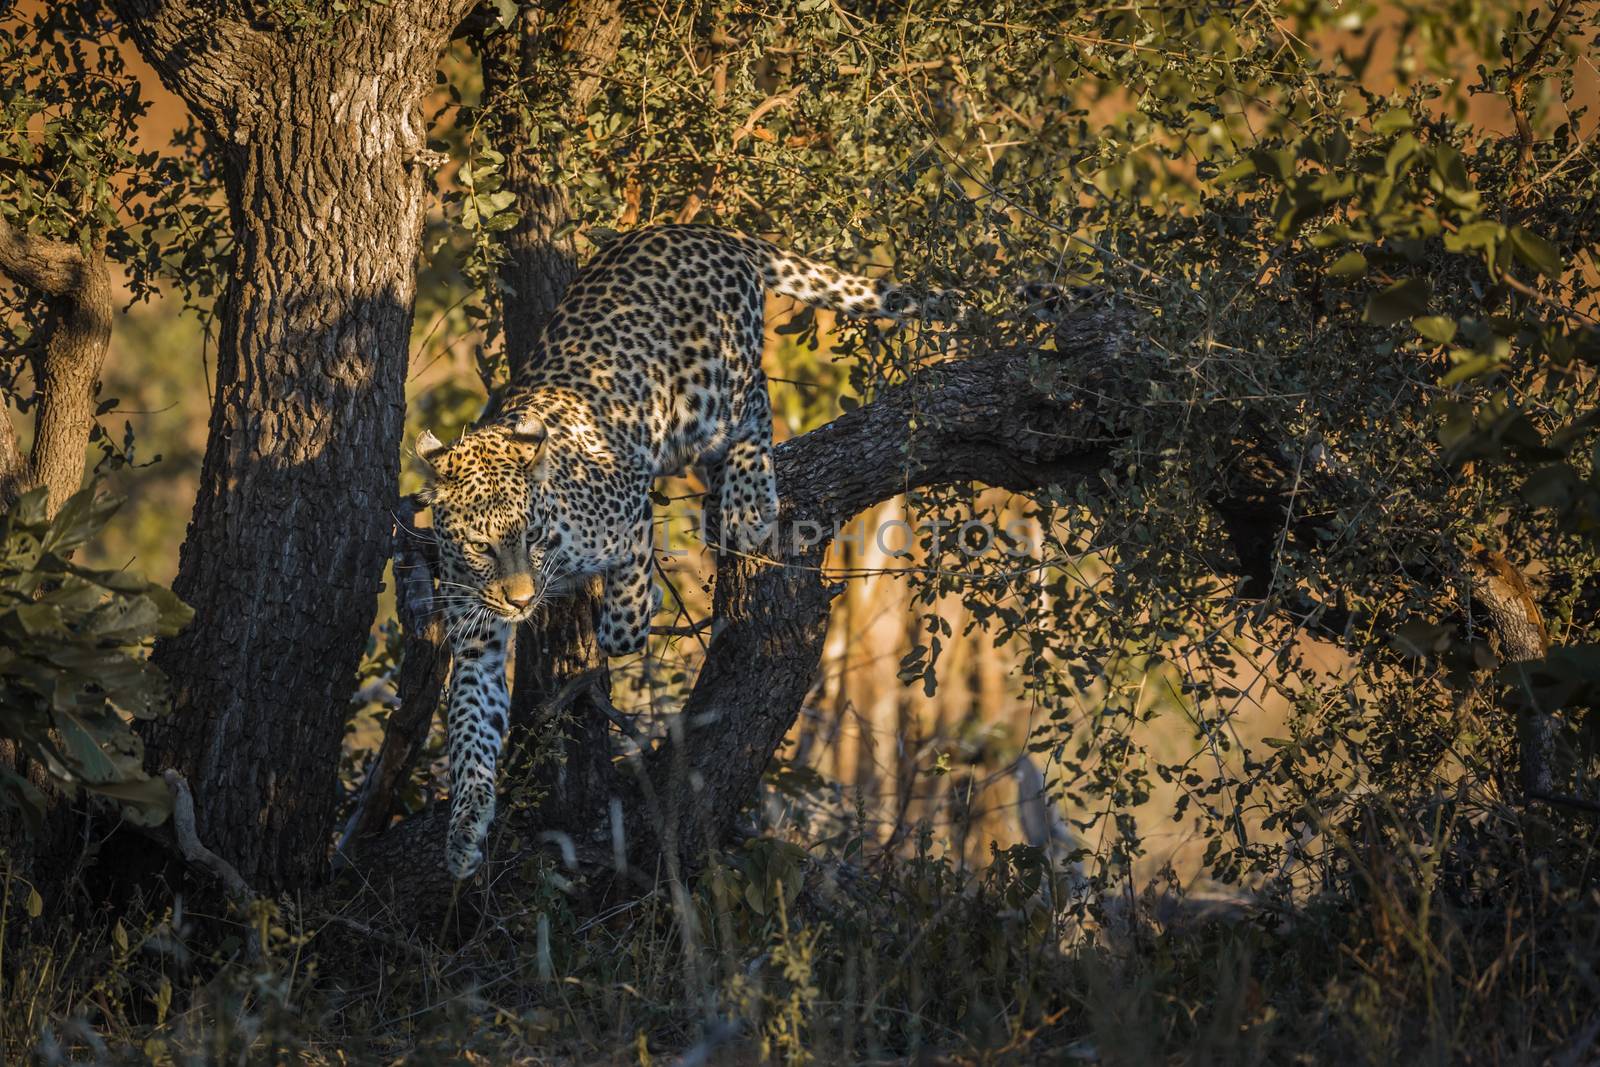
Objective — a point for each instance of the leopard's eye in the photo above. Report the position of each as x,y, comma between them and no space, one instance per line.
480,547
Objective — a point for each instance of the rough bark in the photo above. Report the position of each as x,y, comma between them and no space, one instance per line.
13,464
320,134
540,54
982,419
77,287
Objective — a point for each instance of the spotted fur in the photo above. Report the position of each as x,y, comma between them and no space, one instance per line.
651,363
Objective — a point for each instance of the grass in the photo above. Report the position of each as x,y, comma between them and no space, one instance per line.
1455,943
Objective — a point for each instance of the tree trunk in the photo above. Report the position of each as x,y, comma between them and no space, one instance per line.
556,57
67,371
320,135
580,41
424,660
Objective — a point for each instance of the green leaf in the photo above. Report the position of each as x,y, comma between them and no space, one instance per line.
1551,487
1337,234
1418,637
93,749
1439,328
1348,267
1483,234
496,202
79,519
1242,169
1447,164
146,801
37,619
1401,153
1278,164
1392,121
1536,252
1470,365
1404,299
175,614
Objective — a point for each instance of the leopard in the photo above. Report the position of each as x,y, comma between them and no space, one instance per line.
649,365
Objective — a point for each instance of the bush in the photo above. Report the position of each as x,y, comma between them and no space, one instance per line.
73,665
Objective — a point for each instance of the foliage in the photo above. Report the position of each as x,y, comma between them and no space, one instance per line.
73,670
1337,266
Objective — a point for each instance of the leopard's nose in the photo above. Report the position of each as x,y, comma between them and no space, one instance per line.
518,591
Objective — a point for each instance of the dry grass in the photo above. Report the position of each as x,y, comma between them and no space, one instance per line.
1468,940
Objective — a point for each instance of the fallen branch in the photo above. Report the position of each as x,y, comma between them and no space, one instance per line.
198,855
193,850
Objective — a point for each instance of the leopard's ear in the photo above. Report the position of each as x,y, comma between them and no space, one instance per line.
530,430
529,434
429,449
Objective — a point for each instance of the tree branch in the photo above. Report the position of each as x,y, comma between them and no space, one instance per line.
1000,418
439,17
1518,78
1519,627
48,267
996,417
196,49
195,852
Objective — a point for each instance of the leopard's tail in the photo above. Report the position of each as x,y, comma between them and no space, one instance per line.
822,285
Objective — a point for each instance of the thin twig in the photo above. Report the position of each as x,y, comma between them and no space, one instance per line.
1519,75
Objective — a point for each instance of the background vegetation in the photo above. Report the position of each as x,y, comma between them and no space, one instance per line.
1246,765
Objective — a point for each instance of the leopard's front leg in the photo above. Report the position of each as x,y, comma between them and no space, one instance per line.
629,600
479,707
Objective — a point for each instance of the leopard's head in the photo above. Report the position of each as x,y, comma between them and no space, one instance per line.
492,517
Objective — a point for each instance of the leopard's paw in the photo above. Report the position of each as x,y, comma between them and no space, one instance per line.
462,856
746,529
